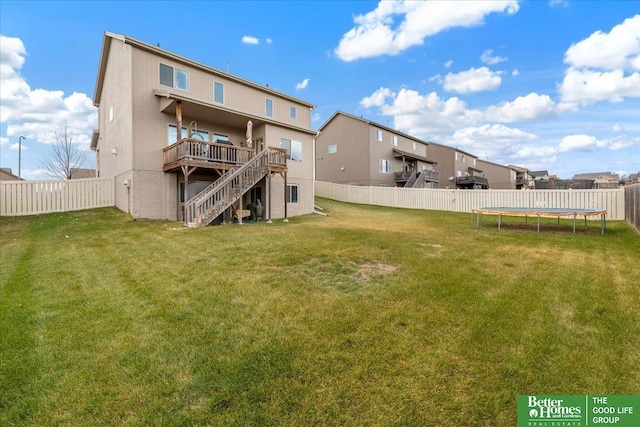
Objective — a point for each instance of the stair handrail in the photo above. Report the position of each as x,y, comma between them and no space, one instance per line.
214,192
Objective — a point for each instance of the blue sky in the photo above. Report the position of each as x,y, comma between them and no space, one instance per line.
551,85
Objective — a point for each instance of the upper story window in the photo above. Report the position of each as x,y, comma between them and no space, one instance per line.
268,107
394,140
378,135
463,158
385,166
474,162
414,145
333,149
218,92
293,112
174,77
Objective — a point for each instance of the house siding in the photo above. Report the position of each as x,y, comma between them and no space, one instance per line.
139,130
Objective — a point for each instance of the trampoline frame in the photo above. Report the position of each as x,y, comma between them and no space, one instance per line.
540,212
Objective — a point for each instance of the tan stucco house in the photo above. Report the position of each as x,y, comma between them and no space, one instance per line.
354,151
186,141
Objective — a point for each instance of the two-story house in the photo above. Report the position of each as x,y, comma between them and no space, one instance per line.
458,169
355,151
185,141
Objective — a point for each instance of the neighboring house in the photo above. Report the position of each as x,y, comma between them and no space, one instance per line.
355,151
7,175
600,179
524,179
80,173
500,177
174,134
457,168
634,178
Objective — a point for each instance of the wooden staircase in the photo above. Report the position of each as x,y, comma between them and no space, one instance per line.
226,190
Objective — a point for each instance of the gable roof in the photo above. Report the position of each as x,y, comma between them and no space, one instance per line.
104,55
372,123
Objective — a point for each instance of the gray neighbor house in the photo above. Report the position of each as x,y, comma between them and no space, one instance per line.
356,151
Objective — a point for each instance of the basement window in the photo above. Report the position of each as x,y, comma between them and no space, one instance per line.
292,194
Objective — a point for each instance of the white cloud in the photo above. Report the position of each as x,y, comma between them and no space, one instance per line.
250,40
563,3
303,84
515,72
580,143
429,116
523,108
38,113
316,117
16,146
268,40
472,80
448,64
487,57
587,86
598,66
618,49
617,127
375,33
621,142
3,141
377,98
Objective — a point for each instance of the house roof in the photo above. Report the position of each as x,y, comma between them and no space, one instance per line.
536,174
104,54
372,123
596,175
7,175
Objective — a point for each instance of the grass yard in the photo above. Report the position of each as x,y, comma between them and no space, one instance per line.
370,316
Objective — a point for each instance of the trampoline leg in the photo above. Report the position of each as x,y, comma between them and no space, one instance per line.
604,221
499,220
478,219
574,223
538,223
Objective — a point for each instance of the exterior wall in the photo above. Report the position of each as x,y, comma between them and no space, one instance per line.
499,177
139,129
445,156
350,164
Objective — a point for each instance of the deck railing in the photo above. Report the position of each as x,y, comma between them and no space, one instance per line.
194,149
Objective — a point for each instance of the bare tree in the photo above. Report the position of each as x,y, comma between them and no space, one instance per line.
64,156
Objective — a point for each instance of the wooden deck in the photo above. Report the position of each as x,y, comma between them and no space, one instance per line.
211,155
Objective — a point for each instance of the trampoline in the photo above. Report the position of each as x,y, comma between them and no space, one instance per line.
540,212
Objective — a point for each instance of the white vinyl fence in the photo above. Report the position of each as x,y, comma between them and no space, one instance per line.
39,197
455,200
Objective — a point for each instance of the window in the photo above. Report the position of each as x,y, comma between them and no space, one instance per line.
202,135
292,194
463,158
219,137
269,107
394,140
414,145
456,156
173,134
333,149
174,77
218,92
378,134
385,166
474,162
110,114
293,112
294,149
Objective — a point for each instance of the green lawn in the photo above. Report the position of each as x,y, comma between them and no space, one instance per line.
370,316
